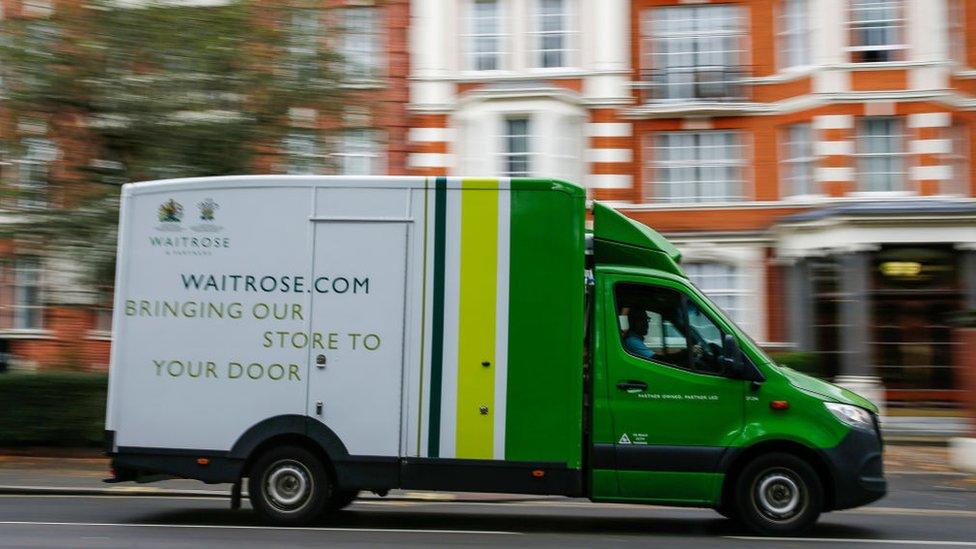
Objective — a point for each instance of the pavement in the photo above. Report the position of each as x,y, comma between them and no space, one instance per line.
61,502
924,427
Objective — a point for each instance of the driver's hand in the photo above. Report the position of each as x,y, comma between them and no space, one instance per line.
697,351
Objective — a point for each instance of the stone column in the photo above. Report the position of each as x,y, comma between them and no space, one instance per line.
856,371
967,274
799,299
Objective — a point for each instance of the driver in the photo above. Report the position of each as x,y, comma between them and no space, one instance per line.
637,329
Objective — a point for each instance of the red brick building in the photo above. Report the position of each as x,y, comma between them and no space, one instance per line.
48,319
812,158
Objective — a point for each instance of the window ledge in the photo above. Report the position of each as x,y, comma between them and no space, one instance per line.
784,74
882,194
364,83
99,335
798,202
684,108
26,334
884,65
965,73
526,74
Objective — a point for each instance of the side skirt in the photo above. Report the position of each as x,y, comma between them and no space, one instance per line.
363,472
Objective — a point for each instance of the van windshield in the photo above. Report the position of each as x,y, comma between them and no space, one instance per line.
755,346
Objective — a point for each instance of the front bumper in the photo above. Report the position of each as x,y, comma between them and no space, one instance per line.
857,468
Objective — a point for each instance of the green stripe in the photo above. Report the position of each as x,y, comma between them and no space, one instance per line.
545,329
437,319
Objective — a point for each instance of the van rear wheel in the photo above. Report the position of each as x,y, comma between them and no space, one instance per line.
778,494
289,486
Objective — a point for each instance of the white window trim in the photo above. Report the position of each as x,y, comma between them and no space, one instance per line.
570,33
741,293
467,36
13,268
955,25
649,64
785,152
315,160
743,163
904,154
781,32
374,67
900,29
374,154
531,156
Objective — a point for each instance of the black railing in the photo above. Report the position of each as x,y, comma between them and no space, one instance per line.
697,83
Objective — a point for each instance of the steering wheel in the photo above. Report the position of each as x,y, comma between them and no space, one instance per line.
708,358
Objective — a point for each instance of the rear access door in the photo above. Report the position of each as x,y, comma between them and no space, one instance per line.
356,332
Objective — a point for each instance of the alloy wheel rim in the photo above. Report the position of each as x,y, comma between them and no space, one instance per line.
779,495
288,485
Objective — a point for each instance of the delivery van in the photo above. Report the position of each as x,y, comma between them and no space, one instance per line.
324,336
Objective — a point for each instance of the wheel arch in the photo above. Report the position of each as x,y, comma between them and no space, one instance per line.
735,461
293,430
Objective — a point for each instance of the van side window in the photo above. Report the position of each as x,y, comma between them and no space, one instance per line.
663,325
649,319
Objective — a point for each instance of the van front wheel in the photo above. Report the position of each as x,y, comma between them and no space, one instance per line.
778,494
289,486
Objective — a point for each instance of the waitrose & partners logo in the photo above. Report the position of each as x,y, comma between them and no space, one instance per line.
170,215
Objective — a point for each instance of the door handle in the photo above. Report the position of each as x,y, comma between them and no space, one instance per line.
632,386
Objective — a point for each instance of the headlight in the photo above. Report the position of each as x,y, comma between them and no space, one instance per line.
851,415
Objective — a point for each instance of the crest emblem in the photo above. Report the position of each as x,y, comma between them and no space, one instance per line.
207,209
170,212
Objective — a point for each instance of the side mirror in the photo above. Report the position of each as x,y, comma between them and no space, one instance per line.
732,357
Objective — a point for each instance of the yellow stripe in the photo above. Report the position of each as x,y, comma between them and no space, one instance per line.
476,318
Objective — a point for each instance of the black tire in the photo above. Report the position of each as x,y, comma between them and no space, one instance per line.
341,499
289,486
778,494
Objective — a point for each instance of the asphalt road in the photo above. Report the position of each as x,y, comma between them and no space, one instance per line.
923,511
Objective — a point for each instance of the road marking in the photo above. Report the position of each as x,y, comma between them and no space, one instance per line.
861,540
119,496
909,511
285,528
397,502
926,473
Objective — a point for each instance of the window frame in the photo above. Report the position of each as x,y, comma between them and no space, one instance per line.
308,162
372,65
735,189
374,154
898,44
786,33
740,291
652,40
14,311
956,33
789,161
470,35
39,155
902,155
304,31
507,155
567,32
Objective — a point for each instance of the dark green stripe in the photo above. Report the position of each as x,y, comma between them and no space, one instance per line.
437,319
